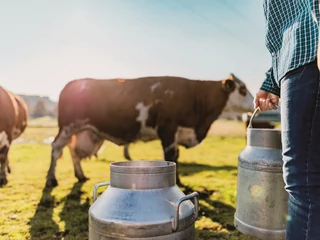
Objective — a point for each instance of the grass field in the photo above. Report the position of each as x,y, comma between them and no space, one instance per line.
29,211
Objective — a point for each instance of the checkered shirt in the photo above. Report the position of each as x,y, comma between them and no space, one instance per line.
291,37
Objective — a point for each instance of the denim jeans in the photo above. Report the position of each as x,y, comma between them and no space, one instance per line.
300,125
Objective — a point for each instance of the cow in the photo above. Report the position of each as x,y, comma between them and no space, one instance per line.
13,122
176,110
230,112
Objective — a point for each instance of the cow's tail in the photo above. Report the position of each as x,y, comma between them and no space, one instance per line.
67,131
62,139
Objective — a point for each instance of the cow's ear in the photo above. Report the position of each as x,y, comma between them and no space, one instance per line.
228,85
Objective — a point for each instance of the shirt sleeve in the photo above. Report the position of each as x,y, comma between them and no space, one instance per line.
269,84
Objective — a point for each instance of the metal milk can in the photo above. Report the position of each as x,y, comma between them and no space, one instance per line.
142,202
261,208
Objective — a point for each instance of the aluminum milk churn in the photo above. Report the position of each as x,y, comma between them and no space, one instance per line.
261,208
142,202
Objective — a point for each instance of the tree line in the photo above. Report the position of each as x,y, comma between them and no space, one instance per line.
40,110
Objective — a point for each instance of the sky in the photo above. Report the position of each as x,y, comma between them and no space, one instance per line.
44,44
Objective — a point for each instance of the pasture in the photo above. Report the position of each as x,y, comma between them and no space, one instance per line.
29,211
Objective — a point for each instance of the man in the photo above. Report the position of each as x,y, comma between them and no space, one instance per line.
292,39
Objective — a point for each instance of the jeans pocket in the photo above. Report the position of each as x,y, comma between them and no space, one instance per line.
298,72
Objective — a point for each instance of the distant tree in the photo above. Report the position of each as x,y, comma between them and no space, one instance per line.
40,109
30,110
54,111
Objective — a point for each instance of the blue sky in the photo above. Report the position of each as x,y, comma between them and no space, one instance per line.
45,44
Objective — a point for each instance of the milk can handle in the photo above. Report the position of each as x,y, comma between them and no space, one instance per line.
255,112
252,116
175,220
95,189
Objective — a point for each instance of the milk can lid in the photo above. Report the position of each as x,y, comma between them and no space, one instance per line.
142,167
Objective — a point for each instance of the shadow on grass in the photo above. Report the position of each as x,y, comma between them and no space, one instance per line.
104,160
186,169
221,215
42,225
75,214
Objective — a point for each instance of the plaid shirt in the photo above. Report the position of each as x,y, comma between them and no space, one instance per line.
291,37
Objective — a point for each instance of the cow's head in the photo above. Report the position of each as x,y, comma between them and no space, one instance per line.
240,99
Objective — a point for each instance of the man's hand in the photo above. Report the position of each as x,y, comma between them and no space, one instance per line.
265,100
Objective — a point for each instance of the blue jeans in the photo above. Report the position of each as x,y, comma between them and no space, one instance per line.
300,125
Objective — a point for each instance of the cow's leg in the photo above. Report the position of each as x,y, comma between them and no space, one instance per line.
3,162
126,152
82,145
57,145
168,137
8,167
76,159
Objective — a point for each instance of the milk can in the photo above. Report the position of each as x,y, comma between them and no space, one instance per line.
142,202
261,208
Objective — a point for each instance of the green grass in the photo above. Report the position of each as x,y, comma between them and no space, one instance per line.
42,122
29,211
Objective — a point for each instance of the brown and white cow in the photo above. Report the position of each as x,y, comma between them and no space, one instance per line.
13,121
176,110
234,110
